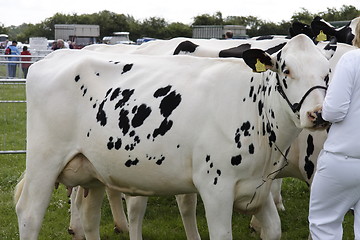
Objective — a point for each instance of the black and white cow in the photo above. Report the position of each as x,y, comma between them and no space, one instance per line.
321,30
301,163
151,125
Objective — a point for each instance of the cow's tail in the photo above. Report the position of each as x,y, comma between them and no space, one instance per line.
19,187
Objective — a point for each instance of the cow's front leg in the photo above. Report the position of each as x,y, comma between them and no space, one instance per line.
117,209
187,207
136,207
268,220
90,211
218,202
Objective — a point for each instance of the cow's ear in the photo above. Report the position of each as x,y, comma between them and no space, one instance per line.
322,30
257,59
330,48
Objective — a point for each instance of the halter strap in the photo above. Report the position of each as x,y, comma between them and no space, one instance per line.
296,106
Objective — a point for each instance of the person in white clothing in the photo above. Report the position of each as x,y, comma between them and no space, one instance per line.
336,185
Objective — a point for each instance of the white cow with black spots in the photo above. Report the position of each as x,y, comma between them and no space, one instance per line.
187,203
301,157
127,123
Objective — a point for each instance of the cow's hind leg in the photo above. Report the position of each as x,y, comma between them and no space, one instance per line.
117,209
90,211
34,196
187,207
276,193
136,207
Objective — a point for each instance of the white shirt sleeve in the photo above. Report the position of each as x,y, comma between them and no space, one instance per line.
338,96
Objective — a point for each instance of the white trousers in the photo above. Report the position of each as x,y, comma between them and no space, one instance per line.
334,190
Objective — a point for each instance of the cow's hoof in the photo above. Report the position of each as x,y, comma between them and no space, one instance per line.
117,230
71,232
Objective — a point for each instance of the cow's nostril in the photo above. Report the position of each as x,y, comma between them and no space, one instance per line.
312,116
316,118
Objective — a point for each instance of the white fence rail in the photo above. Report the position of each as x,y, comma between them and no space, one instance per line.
13,104
12,116
4,61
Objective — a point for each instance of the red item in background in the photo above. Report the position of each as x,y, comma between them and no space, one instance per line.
25,65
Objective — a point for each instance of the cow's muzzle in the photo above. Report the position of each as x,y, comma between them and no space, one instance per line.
317,120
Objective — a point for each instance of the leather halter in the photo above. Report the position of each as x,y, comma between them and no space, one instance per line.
296,106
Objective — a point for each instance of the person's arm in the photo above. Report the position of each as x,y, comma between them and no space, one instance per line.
337,99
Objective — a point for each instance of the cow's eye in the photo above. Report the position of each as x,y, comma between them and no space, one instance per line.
286,71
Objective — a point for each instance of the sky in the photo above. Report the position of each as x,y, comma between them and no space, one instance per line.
35,11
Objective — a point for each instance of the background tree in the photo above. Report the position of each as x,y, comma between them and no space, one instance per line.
3,29
345,13
206,19
110,22
303,16
179,30
156,27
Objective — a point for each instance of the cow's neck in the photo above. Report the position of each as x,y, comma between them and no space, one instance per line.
277,117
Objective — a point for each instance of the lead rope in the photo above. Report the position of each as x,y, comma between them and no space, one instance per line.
282,93
274,172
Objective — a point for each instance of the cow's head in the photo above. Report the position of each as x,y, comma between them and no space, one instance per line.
301,78
323,31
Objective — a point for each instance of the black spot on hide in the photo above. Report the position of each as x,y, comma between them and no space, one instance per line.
169,103
126,95
127,68
251,148
130,163
245,128
310,145
185,46
162,91
101,115
164,127
141,113
236,160
124,124
115,94
309,167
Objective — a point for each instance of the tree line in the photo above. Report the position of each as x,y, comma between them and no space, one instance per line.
156,27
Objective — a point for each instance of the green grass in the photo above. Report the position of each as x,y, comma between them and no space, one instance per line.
162,220
3,71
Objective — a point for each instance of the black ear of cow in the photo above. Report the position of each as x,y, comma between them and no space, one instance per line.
236,52
320,27
254,57
299,28
185,46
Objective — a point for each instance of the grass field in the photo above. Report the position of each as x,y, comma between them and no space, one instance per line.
162,220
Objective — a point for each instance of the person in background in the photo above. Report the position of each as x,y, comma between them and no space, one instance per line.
71,45
25,66
12,50
229,35
60,44
335,188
